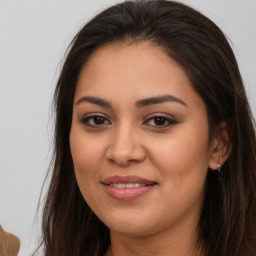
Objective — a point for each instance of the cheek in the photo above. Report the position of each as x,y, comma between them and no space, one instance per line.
87,155
183,160
186,154
182,164
87,151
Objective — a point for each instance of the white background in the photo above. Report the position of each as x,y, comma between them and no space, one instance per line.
33,37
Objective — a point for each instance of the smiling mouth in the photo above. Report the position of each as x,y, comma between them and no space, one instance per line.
127,180
127,187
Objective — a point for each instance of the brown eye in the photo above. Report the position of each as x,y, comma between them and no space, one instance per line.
160,121
98,120
95,121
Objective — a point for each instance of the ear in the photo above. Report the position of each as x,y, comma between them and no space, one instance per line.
220,146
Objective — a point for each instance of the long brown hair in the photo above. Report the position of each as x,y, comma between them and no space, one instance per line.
228,220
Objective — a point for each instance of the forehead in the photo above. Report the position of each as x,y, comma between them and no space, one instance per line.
122,69
131,59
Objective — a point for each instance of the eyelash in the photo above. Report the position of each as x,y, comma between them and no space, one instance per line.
166,121
86,121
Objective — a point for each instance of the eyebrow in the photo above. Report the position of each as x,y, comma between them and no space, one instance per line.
160,99
95,100
139,104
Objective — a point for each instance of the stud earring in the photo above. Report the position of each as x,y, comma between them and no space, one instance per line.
219,167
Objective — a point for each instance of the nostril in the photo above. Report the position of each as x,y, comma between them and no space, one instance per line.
124,151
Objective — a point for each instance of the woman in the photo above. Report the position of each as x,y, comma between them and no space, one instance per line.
154,140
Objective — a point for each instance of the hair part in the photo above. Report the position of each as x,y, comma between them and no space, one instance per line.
227,223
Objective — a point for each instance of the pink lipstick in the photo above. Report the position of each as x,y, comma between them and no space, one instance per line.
127,187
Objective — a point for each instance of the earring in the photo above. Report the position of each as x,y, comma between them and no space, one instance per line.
219,167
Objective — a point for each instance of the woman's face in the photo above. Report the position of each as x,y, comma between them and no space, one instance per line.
139,140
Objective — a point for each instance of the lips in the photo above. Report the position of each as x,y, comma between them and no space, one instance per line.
127,187
127,179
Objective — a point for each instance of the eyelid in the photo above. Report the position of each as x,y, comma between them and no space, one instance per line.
160,114
89,116
165,116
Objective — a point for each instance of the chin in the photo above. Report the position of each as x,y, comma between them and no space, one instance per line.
130,225
131,230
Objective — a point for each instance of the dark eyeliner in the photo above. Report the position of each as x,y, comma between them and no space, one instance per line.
170,121
85,120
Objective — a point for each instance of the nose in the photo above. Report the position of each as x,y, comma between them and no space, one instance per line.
125,147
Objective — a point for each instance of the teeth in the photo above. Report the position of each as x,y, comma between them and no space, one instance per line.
128,185
119,185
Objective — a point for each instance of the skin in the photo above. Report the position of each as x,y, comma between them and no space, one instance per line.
129,141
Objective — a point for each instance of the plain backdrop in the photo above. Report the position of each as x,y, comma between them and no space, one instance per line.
33,37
